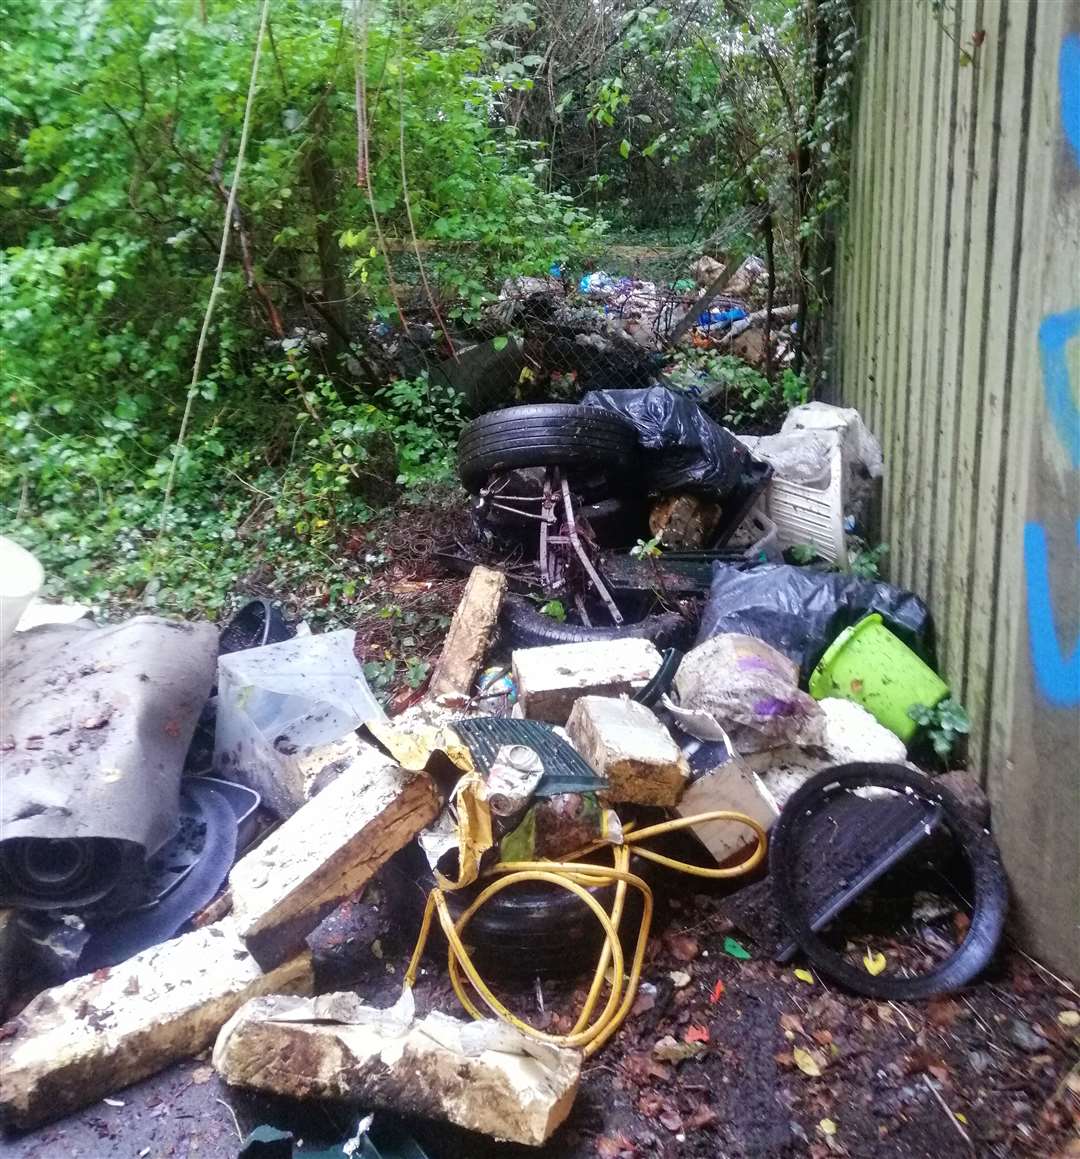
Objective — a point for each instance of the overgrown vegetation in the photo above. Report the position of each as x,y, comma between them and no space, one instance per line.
403,160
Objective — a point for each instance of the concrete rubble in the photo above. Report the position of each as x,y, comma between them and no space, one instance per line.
625,743
549,680
324,853
484,1076
101,1032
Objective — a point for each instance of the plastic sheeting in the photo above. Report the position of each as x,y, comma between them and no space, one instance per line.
96,723
684,449
800,611
280,706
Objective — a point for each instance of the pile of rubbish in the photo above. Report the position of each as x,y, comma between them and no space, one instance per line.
182,808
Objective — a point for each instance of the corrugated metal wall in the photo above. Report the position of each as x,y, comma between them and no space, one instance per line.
958,333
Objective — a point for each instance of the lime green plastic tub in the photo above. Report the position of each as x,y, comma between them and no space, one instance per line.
868,664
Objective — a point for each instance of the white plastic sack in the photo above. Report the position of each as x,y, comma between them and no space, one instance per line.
283,703
858,443
748,689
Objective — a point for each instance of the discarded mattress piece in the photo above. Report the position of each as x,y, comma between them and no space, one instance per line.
627,746
325,852
800,612
96,723
550,680
282,710
96,1034
484,1076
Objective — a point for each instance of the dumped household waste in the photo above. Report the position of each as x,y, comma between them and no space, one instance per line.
565,765
799,611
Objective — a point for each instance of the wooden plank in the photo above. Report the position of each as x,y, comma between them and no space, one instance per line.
902,385
470,634
855,259
872,230
931,278
1007,41
982,204
1020,403
891,436
952,319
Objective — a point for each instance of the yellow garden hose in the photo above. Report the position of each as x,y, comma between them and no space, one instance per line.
588,1033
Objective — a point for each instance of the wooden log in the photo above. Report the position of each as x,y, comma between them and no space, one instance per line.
470,633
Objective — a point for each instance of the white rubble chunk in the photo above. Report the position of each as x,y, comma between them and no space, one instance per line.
625,743
470,633
484,1076
550,679
325,852
92,1036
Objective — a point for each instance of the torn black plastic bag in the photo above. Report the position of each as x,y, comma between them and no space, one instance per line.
800,612
684,449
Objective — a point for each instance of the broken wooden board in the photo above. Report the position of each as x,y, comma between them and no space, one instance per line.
625,744
94,1035
550,679
733,788
685,521
470,634
325,852
484,1076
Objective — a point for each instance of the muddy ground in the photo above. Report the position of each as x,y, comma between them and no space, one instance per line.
1002,1057
992,1071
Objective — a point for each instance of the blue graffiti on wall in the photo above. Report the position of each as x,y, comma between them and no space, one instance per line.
1069,88
1057,674
1055,333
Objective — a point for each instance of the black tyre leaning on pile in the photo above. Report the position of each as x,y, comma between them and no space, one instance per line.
544,435
522,626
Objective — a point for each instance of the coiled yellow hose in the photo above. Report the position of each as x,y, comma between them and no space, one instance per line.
588,1033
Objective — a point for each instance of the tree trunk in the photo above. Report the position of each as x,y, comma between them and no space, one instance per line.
320,178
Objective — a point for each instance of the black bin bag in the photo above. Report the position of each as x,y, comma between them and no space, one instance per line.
800,611
684,450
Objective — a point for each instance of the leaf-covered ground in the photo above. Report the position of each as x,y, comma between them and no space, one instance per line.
1002,1057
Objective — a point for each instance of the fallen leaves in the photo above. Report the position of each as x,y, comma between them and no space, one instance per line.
810,1062
717,992
827,1127
680,979
682,947
1069,1018
735,950
696,1034
669,1049
805,976
875,963
615,1147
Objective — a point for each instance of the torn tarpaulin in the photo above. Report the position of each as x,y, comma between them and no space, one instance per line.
95,725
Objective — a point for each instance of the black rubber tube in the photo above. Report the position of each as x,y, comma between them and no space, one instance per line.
524,627
975,843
